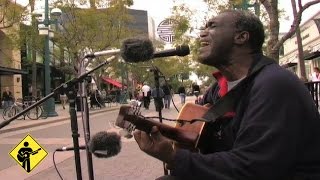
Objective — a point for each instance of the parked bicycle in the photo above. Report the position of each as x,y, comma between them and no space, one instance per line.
33,114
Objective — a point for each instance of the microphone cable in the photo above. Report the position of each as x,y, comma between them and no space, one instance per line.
55,166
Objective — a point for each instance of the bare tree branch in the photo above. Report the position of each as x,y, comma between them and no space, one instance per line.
296,22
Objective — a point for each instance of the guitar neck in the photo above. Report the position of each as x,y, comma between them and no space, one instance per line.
177,134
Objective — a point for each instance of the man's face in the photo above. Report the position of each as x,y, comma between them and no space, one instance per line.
216,40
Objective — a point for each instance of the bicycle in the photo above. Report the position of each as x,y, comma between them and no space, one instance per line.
17,107
42,114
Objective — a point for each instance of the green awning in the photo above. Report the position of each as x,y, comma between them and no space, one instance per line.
11,71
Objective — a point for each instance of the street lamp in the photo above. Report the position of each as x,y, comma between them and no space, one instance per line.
49,108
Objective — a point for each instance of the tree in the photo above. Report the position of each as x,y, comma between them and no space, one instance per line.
271,12
10,13
89,30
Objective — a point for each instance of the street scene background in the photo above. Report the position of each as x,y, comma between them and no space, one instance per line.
54,132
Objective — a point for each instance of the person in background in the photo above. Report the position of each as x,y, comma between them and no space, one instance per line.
103,95
167,94
315,75
158,100
270,129
182,94
146,93
63,99
7,98
196,91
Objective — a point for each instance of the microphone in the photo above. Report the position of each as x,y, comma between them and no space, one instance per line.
135,50
103,53
181,50
70,148
130,46
102,145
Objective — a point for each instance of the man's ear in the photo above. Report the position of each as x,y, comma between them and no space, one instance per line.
241,38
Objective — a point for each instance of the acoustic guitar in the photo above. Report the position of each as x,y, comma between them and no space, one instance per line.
187,131
25,155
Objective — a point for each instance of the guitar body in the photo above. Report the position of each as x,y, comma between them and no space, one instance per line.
20,158
187,132
190,112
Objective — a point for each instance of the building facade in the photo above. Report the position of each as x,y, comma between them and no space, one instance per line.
10,63
310,34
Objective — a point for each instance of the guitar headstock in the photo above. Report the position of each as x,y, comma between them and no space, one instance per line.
128,127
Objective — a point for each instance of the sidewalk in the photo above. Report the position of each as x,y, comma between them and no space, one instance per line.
63,115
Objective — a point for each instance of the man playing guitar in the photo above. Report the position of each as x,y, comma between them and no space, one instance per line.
273,130
24,155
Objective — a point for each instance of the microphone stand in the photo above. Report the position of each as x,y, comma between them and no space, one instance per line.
74,128
85,120
67,87
158,99
157,86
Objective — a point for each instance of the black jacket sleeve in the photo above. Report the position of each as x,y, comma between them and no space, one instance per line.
272,138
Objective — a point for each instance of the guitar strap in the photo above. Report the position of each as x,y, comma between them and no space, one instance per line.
227,102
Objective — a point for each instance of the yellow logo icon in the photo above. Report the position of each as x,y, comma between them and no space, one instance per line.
28,153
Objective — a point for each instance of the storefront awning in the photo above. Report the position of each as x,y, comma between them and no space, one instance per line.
288,65
11,71
312,55
112,81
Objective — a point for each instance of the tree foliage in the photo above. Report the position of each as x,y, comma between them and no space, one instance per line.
270,14
81,31
10,13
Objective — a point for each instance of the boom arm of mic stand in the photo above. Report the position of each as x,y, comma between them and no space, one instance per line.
66,85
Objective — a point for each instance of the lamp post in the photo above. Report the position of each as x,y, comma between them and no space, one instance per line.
244,5
49,108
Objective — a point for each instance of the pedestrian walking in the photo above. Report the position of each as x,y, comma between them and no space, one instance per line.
182,94
7,98
146,93
167,95
63,99
158,95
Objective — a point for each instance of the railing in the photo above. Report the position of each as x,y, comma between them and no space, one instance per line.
314,88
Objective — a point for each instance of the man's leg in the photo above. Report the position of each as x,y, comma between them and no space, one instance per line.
28,165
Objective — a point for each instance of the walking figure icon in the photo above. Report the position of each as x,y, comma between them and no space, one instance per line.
24,155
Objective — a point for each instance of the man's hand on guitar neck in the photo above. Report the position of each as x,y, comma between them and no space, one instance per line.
156,145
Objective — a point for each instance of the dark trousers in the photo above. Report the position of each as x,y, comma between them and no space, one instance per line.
146,102
158,103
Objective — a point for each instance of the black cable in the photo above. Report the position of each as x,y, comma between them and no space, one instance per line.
54,163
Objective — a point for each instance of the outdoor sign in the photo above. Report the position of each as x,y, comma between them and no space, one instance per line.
28,153
165,30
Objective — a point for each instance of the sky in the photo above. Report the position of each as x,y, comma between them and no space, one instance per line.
161,9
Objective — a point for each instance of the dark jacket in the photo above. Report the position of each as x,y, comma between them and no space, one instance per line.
274,135
166,89
181,90
7,96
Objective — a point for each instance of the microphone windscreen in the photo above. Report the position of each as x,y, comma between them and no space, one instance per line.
136,50
107,143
